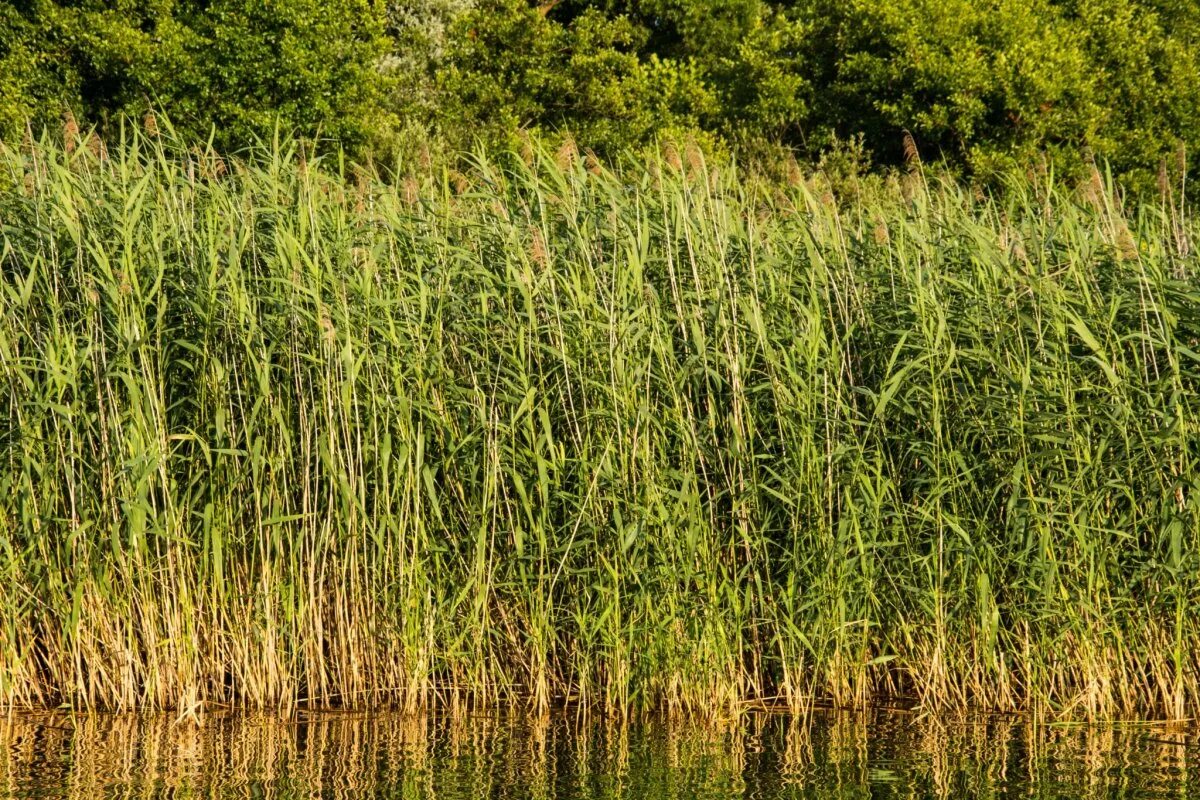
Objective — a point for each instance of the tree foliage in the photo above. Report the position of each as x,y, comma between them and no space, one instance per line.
993,83
983,85
234,68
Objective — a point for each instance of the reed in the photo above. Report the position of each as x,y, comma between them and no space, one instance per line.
280,434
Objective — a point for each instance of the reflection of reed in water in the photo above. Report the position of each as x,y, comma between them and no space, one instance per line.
825,755
847,748
796,754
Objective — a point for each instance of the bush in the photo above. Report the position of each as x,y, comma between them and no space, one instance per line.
512,67
983,86
990,84
236,67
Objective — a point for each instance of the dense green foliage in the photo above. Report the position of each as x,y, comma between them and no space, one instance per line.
278,434
996,82
985,85
232,68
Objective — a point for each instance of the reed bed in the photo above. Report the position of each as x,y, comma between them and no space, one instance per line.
279,433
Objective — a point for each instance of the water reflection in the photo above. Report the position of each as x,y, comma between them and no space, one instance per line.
831,755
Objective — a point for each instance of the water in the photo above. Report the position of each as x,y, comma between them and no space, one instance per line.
881,754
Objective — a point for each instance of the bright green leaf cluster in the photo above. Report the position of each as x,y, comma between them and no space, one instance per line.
237,68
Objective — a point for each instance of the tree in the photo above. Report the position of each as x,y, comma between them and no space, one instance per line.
514,66
236,67
991,84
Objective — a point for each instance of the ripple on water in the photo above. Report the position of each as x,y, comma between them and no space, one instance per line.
831,755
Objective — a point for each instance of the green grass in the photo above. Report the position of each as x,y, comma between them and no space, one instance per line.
280,433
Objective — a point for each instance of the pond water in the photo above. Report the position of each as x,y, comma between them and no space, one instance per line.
830,755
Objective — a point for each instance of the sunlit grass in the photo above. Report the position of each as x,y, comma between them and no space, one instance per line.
279,432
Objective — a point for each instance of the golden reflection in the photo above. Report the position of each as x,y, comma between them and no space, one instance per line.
796,756
826,754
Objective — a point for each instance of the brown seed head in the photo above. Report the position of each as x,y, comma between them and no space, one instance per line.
70,132
360,191
410,191
1127,247
328,331
1093,191
795,175
671,156
880,234
695,161
912,158
567,155
537,248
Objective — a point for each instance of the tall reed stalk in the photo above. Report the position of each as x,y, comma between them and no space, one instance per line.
278,433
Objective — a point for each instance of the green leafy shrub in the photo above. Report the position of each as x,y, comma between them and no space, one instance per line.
513,67
983,86
237,68
991,84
